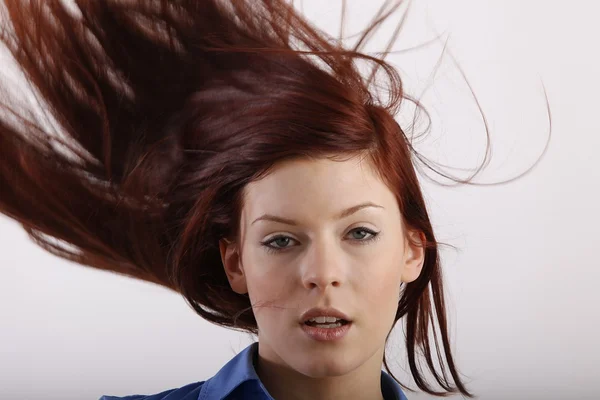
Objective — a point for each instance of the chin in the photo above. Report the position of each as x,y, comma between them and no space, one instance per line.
328,364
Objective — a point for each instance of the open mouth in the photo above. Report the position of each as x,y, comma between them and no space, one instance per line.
338,323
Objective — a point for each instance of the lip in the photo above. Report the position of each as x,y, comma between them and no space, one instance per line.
323,312
326,334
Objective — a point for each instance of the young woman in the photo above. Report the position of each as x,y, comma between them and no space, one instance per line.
232,152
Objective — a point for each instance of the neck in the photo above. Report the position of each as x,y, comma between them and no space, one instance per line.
283,383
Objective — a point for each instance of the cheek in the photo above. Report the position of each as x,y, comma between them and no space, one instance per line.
268,290
266,278
380,304
263,298
380,286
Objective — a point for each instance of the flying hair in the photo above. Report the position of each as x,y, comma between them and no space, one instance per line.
158,113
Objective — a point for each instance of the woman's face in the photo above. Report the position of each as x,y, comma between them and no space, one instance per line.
355,263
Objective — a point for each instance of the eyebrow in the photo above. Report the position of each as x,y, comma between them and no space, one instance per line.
345,213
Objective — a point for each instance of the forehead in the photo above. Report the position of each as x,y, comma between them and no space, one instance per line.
316,186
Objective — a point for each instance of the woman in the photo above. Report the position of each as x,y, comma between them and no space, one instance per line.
230,151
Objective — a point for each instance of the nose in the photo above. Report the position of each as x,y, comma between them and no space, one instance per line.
323,266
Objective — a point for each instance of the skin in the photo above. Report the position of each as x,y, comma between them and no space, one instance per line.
325,262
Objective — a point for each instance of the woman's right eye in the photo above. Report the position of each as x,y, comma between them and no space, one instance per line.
280,243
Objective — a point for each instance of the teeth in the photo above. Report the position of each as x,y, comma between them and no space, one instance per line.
329,325
322,320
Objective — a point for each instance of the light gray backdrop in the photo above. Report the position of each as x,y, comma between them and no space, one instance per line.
522,287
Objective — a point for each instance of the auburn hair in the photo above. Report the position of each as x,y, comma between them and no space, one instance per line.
162,111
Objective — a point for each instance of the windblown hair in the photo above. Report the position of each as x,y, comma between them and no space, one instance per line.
166,110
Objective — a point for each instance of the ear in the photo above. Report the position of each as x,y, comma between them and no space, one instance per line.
414,256
232,265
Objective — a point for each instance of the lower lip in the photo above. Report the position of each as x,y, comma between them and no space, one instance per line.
326,334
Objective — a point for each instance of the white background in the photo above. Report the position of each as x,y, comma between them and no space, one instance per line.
522,286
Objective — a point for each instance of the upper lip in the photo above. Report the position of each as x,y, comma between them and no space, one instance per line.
323,312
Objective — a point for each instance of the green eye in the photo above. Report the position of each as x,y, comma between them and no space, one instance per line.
363,231
281,242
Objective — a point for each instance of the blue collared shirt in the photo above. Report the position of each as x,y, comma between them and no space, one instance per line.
237,380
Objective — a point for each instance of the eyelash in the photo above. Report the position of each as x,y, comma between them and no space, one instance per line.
270,249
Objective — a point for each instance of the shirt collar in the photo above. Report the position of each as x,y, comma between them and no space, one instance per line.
241,369
237,371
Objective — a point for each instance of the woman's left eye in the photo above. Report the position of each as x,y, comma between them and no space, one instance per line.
362,232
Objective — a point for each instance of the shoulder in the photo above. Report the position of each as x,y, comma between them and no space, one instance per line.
188,392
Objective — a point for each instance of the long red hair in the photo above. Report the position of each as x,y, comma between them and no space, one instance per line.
166,110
